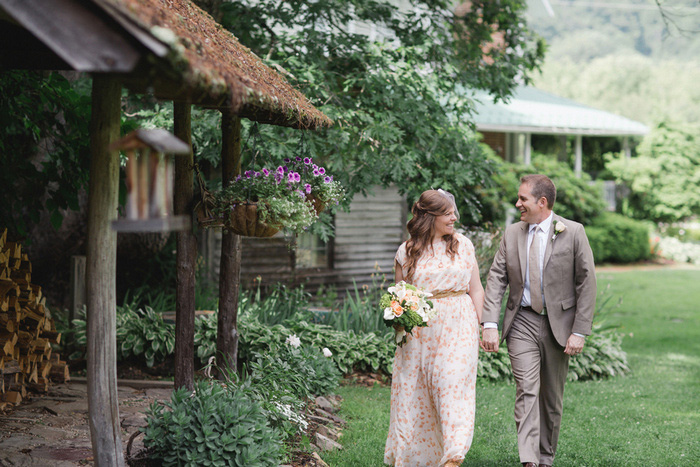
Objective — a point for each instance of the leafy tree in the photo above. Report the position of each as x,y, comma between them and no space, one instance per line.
398,116
44,142
663,180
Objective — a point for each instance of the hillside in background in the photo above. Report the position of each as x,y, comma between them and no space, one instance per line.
625,56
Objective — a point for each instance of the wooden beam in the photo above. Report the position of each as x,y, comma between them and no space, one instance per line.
230,266
101,271
186,253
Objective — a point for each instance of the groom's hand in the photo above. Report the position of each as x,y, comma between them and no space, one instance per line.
574,345
489,340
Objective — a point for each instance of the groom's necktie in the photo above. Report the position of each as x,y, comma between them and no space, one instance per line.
535,277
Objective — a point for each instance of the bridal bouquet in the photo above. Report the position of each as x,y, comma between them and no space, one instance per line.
405,307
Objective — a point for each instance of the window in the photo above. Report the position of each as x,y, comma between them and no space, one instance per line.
311,252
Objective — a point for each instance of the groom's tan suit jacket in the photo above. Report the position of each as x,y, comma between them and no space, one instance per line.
568,276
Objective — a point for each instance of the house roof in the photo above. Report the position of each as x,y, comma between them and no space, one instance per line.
531,110
171,47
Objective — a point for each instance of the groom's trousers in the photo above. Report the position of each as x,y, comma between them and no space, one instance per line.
540,367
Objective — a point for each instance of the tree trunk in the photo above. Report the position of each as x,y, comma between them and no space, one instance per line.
230,266
186,254
101,271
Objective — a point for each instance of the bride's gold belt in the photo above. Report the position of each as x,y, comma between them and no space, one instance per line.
447,294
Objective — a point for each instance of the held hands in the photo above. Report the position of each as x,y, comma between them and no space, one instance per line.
489,339
574,345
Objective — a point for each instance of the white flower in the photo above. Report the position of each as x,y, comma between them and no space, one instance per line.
558,228
327,353
293,340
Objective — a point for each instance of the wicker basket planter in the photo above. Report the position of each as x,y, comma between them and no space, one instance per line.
319,205
244,220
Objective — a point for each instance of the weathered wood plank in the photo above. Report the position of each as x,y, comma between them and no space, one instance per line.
108,50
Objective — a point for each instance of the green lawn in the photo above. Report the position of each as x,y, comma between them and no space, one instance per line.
649,417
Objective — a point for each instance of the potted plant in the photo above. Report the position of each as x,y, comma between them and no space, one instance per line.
260,203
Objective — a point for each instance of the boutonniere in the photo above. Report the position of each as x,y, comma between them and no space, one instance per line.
558,228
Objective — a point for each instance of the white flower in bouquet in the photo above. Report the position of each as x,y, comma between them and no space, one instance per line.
404,306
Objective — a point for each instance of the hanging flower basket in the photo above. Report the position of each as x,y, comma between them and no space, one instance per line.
259,204
245,219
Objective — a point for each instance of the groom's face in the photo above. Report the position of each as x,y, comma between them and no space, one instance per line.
532,211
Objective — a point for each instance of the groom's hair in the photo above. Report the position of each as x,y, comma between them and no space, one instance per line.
541,185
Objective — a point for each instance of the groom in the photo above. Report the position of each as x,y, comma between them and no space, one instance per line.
548,265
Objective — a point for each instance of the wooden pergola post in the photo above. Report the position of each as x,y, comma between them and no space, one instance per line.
186,253
101,271
230,265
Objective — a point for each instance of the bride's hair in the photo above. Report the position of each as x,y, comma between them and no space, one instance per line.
422,226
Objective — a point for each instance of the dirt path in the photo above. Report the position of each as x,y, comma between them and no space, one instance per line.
52,429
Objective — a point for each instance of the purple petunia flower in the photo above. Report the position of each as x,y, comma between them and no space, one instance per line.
321,170
298,159
280,170
316,172
301,194
287,160
248,173
265,172
238,178
256,174
307,160
307,187
327,179
292,177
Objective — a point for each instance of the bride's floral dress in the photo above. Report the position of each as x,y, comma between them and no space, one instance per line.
434,377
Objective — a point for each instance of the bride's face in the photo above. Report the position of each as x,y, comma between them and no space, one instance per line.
444,224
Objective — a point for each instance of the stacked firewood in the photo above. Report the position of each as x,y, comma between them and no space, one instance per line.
26,330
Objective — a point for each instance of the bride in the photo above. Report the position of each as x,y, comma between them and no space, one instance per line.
434,377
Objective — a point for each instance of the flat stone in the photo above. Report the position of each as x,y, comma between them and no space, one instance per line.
320,420
326,443
319,461
71,407
136,419
330,416
325,404
328,432
159,393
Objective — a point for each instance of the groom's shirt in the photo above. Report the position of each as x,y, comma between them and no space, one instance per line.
537,233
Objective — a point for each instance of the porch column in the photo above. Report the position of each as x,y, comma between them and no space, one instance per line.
101,274
578,163
527,149
626,147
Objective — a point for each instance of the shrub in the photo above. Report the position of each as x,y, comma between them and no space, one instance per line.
141,333
619,239
577,198
144,333
494,366
211,426
676,250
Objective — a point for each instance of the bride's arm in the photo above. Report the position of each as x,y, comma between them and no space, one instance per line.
476,292
398,274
